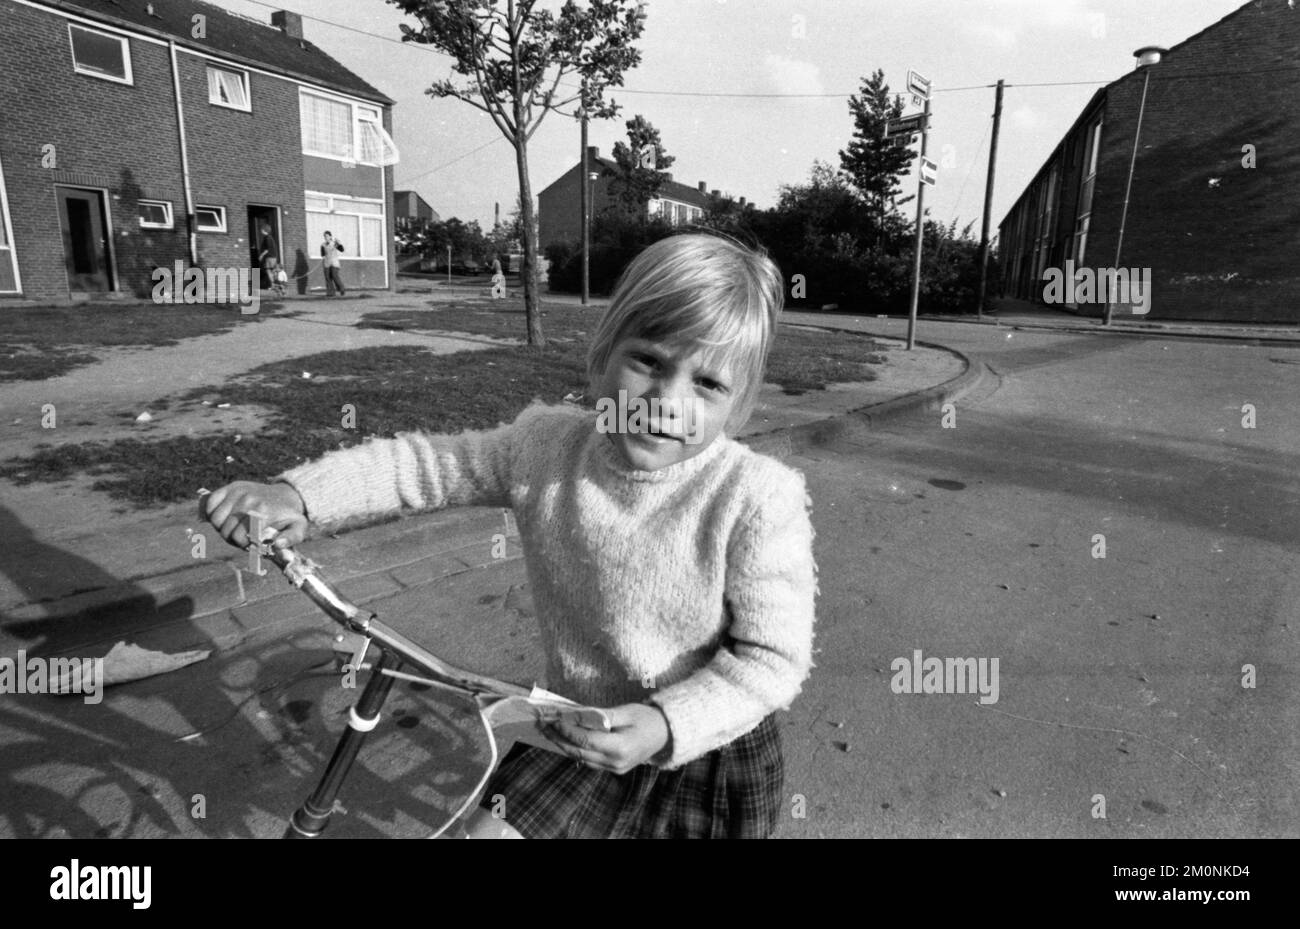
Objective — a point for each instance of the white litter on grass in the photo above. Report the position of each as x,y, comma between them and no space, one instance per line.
573,398
223,406
306,374
144,417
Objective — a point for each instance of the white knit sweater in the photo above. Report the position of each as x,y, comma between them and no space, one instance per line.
697,579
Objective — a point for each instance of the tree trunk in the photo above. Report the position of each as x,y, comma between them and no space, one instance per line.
532,311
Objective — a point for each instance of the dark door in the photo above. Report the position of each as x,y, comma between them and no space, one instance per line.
256,216
85,240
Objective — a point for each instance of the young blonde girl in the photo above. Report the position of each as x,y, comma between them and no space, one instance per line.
671,566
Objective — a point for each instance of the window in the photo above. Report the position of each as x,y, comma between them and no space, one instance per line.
228,88
377,146
344,131
100,54
326,127
358,224
155,214
211,218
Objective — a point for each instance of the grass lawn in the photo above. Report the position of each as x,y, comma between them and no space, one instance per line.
43,342
392,389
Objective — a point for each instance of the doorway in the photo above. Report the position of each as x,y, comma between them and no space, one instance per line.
83,221
256,216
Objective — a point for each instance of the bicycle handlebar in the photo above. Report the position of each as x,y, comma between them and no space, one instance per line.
304,574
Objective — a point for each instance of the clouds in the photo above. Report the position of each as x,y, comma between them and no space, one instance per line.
790,76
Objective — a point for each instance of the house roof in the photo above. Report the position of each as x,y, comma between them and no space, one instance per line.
229,36
669,189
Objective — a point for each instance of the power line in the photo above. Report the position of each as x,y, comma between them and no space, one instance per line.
448,164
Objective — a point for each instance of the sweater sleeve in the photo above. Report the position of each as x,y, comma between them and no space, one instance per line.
416,471
766,654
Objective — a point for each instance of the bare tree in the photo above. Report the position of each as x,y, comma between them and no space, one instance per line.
514,56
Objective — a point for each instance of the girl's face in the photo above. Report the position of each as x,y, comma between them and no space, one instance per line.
685,388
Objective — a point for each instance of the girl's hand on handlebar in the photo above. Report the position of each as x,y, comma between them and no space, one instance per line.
638,733
278,504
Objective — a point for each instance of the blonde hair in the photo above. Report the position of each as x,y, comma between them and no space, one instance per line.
704,290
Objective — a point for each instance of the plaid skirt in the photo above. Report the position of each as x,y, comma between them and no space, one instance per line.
733,792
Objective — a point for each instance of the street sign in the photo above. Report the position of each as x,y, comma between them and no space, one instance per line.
906,125
919,86
929,171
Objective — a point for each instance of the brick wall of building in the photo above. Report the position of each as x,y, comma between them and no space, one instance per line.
124,138
1221,239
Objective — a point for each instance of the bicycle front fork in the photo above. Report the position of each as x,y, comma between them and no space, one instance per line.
310,819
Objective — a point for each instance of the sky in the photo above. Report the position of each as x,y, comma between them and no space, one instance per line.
747,94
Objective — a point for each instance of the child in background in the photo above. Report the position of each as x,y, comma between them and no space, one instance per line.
671,567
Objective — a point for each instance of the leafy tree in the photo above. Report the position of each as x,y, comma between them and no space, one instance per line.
514,56
874,164
635,183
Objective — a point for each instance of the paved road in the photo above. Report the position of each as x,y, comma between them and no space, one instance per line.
1119,677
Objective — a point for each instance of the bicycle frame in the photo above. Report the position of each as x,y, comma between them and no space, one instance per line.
311,819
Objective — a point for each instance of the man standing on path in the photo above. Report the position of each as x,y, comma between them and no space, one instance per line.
329,251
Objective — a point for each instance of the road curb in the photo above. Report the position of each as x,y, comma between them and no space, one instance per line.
1244,335
791,440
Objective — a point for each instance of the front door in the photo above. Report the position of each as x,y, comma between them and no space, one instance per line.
257,216
85,240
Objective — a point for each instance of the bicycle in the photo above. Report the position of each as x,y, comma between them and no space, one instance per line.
503,707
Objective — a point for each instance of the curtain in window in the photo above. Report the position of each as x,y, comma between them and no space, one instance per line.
326,126
377,146
227,87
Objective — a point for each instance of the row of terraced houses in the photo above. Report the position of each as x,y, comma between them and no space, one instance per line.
134,134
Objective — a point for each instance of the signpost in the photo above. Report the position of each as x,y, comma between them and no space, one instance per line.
920,87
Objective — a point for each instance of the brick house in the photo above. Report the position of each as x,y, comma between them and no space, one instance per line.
559,206
1214,208
136,134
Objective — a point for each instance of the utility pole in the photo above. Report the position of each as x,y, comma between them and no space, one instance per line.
988,204
920,229
586,207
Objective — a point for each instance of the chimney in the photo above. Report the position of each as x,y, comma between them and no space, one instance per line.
713,193
668,176
1149,55
742,201
704,188
593,153
288,23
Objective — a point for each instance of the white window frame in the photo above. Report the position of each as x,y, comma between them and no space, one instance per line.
220,212
360,113
125,43
215,98
8,251
338,204
167,207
